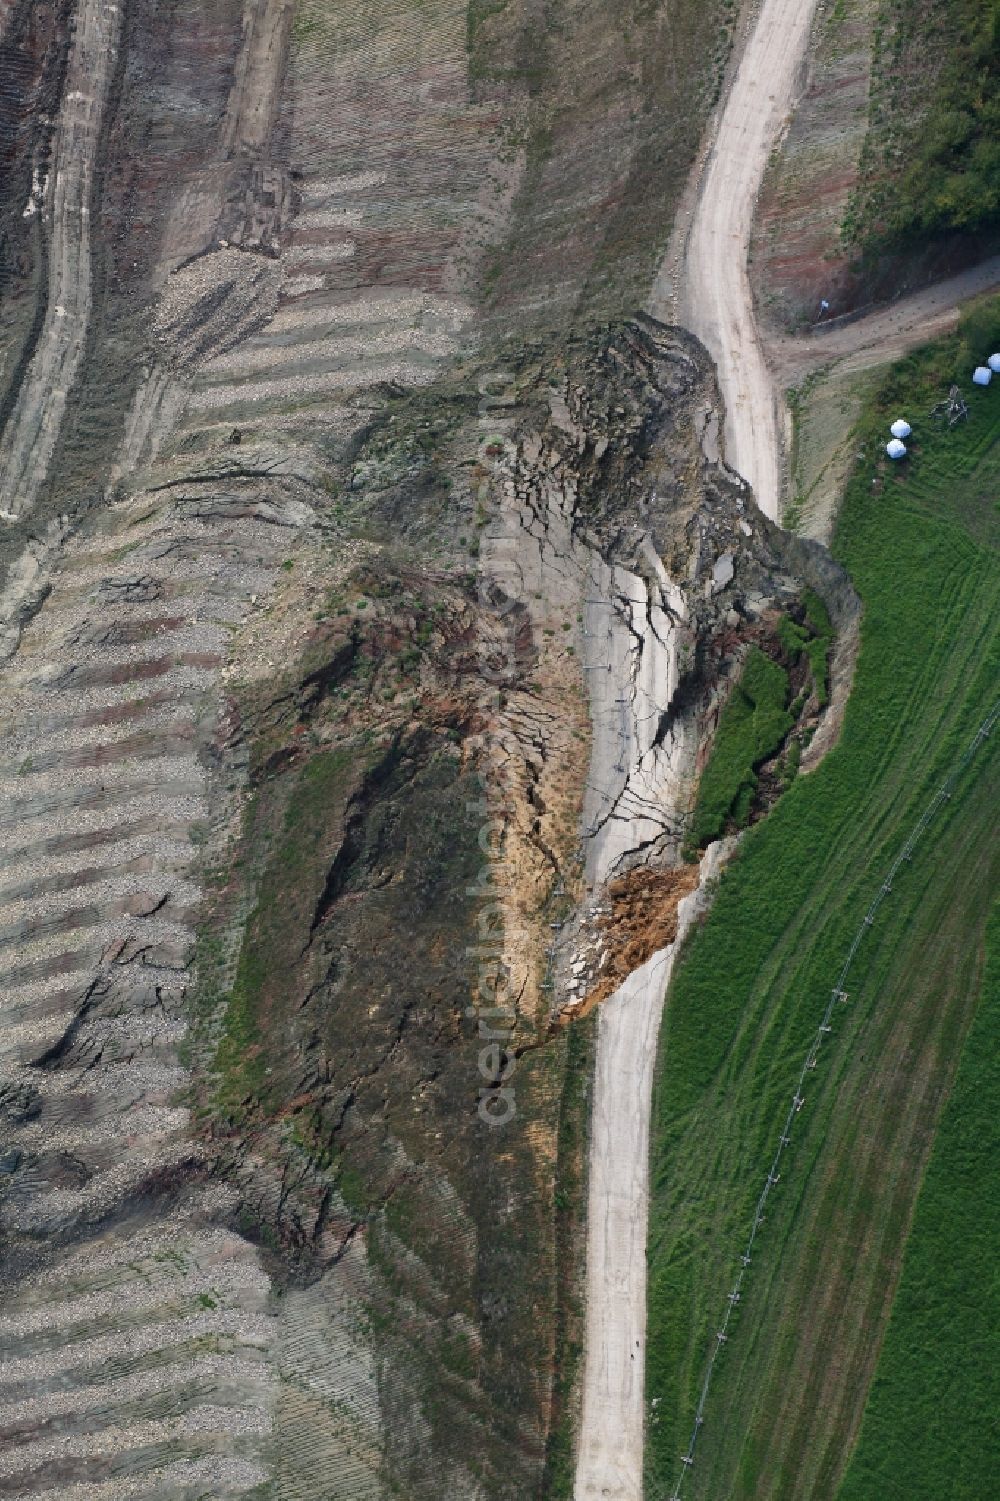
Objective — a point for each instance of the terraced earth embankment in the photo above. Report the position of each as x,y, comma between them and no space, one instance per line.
110,714
146,1352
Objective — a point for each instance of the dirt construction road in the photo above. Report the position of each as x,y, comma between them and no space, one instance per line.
887,333
609,1463
714,298
719,308
611,1439
715,302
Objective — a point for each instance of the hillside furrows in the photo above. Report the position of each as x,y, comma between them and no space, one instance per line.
343,348
136,1366
66,198
327,1431
374,259
109,711
380,104
169,1374
109,714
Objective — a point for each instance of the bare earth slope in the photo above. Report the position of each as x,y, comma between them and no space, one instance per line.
346,633
276,525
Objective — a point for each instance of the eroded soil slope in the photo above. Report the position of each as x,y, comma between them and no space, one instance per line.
348,650
884,182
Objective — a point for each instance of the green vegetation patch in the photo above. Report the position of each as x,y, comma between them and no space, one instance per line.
755,722
791,636
931,1428
751,727
274,932
931,161
921,544
815,638
818,648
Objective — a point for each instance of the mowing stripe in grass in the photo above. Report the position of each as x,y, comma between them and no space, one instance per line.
837,995
935,1375
786,1400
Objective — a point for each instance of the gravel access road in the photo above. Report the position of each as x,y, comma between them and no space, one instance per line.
717,305
886,333
609,1463
716,302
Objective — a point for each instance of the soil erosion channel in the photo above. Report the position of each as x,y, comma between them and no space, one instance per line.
718,307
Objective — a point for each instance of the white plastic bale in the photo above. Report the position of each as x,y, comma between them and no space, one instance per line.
895,449
982,375
994,363
900,428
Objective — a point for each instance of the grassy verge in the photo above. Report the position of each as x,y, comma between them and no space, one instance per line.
790,1388
574,1119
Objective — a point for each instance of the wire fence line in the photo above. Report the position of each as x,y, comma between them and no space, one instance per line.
837,995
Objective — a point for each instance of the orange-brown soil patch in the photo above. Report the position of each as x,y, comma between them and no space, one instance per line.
639,919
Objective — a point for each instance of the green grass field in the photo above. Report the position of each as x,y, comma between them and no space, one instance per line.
931,1423
792,1382
931,163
